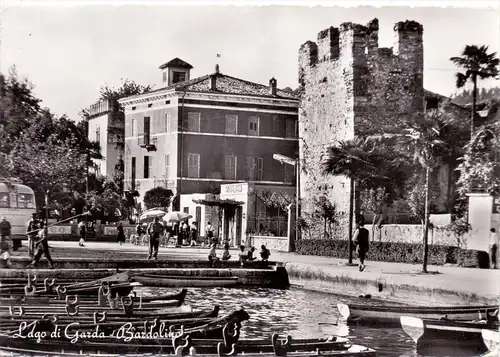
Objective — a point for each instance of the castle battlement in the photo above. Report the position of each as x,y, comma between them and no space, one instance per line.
354,40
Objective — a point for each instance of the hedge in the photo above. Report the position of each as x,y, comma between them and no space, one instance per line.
396,252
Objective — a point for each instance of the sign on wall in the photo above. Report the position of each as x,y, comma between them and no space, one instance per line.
59,230
234,188
496,205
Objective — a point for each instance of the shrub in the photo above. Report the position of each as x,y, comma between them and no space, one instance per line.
473,259
392,252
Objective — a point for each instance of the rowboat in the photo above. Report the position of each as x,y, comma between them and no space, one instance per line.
491,340
185,281
390,315
432,336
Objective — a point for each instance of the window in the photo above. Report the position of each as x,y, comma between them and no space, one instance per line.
290,128
167,165
253,126
276,125
133,128
147,161
167,123
4,200
288,173
194,122
230,167
147,130
186,210
132,175
98,134
255,168
178,77
194,165
25,200
231,124
164,77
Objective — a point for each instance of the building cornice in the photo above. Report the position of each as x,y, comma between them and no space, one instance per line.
222,97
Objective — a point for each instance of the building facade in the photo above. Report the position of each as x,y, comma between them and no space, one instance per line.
195,134
106,126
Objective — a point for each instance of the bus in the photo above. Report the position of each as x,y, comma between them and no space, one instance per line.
17,204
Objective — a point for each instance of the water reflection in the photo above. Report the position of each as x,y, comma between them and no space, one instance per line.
299,313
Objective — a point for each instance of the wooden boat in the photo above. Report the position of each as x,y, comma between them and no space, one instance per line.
433,336
491,339
390,315
185,281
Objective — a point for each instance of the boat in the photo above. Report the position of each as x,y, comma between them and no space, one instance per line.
185,280
491,340
436,335
389,315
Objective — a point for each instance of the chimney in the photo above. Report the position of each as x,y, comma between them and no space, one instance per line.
272,86
213,82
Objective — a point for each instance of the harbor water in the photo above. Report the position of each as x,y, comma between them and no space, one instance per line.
301,314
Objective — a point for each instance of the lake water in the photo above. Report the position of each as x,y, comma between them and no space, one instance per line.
299,313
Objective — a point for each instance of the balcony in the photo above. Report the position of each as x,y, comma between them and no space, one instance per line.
151,146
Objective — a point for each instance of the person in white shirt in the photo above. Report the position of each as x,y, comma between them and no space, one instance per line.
493,247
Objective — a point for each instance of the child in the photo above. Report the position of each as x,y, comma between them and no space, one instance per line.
5,252
212,255
225,253
243,257
250,254
264,253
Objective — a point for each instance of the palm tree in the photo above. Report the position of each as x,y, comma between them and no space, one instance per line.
367,166
477,63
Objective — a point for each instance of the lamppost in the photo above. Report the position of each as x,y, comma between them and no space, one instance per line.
296,163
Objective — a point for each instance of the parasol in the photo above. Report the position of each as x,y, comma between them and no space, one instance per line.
176,216
152,213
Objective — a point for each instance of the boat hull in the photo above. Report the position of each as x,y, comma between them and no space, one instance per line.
441,336
185,281
391,315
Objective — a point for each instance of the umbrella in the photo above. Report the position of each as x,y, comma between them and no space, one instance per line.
176,216
152,213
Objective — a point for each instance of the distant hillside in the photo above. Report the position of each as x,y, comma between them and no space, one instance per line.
465,97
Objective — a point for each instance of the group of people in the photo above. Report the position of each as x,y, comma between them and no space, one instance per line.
243,256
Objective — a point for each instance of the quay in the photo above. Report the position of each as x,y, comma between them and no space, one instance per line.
398,282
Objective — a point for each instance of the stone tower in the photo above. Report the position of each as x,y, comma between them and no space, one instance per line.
351,87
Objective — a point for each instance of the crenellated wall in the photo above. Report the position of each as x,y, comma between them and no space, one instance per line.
351,87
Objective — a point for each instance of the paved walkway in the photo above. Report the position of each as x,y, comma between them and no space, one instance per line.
465,283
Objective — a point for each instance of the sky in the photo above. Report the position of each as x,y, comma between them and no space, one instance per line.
69,52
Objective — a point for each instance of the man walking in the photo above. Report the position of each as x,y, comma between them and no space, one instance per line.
42,248
362,243
32,226
155,228
493,247
82,228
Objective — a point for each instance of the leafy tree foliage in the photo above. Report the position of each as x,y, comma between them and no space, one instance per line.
326,210
158,197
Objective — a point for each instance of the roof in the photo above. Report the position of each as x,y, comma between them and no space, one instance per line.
176,62
224,85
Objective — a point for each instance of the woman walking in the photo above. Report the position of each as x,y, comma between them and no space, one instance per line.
120,237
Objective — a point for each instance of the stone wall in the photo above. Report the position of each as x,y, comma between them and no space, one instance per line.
410,233
350,86
276,244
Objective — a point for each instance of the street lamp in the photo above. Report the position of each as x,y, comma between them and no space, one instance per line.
294,162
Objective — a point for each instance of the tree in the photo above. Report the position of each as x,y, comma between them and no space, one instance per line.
477,63
480,165
426,139
158,197
326,210
369,166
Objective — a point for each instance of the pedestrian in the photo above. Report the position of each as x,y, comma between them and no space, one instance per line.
194,234
242,256
225,254
33,225
5,228
82,228
361,240
185,233
5,252
155,229
493,247
120,237
42,247
250,254
264,253
209,233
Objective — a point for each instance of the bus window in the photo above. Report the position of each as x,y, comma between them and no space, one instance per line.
25,200
4,200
